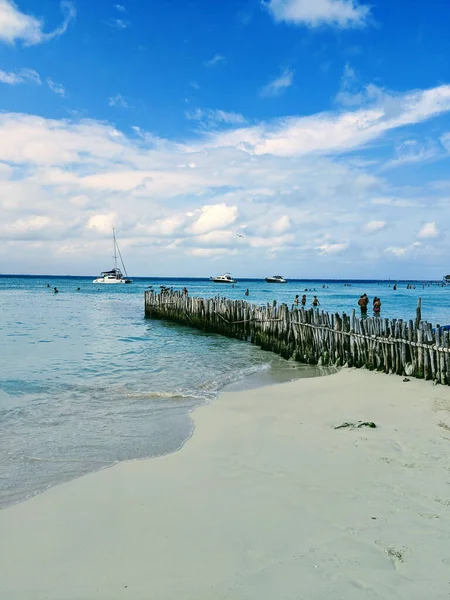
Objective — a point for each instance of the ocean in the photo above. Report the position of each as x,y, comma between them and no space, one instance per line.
86,381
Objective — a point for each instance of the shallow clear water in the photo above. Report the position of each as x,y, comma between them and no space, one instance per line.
86,380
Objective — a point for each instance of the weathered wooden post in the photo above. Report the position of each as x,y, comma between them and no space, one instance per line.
308,336
418,312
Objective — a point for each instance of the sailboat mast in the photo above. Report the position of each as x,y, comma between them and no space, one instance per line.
121,260
115,251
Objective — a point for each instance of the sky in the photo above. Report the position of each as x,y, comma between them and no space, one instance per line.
309,138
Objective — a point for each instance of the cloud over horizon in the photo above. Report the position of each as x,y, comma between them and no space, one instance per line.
291,183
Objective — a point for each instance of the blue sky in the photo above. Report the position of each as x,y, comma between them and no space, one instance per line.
319,130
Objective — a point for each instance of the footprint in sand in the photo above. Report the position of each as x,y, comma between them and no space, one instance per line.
395,555
443,502
429,516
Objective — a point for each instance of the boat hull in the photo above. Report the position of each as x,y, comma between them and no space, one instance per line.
270,280
111,282
222,281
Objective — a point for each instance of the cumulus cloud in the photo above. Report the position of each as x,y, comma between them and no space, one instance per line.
21,76
300,200
102,223
315,13
278,85
429,230
214,216
56,88
19,26
282,224
375,226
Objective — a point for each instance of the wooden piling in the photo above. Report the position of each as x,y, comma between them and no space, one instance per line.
311,336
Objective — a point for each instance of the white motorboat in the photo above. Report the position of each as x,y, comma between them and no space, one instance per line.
115,275
276,279
447,280
227,278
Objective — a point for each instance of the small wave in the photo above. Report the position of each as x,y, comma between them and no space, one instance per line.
57,460
234,376
168,395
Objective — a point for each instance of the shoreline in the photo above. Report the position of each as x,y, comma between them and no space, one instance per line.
261,378
265,500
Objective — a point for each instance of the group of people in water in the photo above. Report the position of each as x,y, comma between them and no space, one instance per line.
303,301
364,302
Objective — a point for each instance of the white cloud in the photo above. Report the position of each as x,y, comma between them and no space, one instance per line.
210,117
375,226
102,223
16,25
21,76
119,24
213,216
429,230
217,59
404,251
188,198
33,223
337,132
279,84
270,242
118,100
445,141
212,252
194,85
314,13
353,93
336,248
57,88
120,8
397,202
412,151
281,225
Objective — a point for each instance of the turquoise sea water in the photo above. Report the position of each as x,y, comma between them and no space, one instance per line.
86,380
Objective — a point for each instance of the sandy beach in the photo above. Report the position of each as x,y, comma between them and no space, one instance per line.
266,500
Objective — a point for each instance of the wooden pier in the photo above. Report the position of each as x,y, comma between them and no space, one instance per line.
409,348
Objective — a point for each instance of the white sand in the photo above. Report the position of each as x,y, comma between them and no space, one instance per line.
266,501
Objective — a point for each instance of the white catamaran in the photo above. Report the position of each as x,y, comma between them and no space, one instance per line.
115,275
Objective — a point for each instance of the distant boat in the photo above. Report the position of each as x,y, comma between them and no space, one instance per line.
276,279
227,278
447,280
115,275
